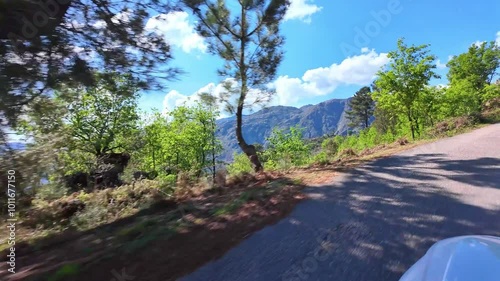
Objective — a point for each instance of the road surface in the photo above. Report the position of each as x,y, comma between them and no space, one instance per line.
375,221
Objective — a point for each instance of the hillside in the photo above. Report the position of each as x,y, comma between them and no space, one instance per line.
317,120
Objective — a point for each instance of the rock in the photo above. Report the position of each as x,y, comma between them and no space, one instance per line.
109,168
77,181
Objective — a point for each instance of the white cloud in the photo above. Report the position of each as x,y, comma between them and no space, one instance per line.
178,31
174,99
498,39
356,70
478,43
302,10
441,65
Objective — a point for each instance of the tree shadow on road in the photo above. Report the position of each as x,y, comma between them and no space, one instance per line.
387,213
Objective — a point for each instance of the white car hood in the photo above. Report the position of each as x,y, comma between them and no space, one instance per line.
464,258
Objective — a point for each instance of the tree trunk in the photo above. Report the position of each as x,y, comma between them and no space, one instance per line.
411,125
213,152
249,150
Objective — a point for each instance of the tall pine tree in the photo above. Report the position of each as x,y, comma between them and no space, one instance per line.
247,37
362,107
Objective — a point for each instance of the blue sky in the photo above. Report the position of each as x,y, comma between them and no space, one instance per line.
334,47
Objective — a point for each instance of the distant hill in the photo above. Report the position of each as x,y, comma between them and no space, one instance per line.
328,117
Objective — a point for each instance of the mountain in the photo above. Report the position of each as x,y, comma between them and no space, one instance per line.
328,117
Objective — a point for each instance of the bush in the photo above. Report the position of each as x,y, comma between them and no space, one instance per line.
330,147
491,94
93,215
240,165
86,210
348,152
286,150
166,183
51,191
452,125
321,158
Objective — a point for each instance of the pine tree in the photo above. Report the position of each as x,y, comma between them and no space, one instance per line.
362,107
45,45
248,39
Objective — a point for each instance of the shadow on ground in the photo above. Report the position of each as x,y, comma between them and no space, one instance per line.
146,245
381,217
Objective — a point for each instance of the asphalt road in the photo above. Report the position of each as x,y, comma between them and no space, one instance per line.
374,222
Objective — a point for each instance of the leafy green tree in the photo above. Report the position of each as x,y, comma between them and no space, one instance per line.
287,149
361,108
183,140
469,75
479,64
430,106
101,116
386,121
46,44
401,85
248,39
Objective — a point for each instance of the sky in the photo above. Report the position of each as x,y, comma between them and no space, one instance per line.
333,47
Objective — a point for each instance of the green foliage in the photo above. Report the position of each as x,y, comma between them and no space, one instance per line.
167,182
93,215
321,158
100,117
470,76
362,107
61,56
400,87
330,146
462,99
65,272
183,141
240,165
491,92
286,149
51,191
368,138
478,65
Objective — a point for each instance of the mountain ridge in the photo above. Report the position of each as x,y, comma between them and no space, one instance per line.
328,117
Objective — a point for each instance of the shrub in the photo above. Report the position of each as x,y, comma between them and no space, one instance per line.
321,158
220,178
93,215
330,147
402,141
166,183
240,165
348,152
51,191
86,210
286,150
491,94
